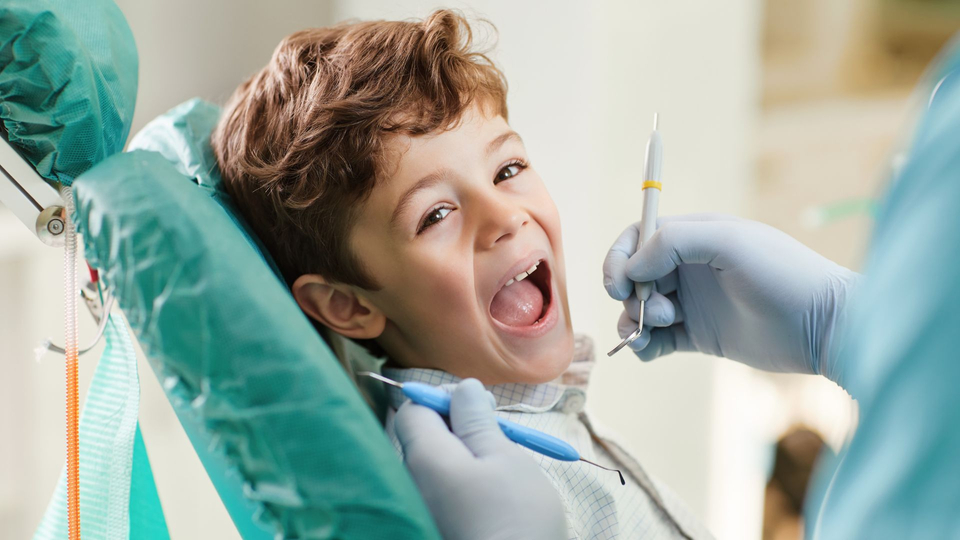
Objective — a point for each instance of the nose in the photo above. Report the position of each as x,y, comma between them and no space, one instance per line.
500,219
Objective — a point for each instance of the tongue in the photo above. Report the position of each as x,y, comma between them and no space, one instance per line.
519,304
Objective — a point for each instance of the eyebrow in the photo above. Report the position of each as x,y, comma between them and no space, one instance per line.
433,178
427,181
501,140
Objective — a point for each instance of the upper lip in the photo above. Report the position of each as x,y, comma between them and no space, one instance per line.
521,265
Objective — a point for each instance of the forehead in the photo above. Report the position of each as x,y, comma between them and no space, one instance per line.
409,154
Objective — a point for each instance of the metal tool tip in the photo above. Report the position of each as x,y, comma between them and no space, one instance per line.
622,481
656,120
627,340
379,377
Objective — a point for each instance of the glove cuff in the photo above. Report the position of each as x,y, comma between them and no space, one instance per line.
833,340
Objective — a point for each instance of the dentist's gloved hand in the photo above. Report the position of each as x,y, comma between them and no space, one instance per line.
732,288
477,483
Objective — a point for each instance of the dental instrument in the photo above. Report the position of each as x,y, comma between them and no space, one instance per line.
648,218
72,355
435,398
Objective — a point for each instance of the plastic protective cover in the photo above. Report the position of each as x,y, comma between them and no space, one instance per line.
277,422
68,82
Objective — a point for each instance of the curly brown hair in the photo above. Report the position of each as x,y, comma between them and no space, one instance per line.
300,144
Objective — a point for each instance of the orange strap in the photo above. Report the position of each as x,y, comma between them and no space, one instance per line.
73,445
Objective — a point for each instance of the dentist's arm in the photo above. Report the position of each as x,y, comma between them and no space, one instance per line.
477,484
732,288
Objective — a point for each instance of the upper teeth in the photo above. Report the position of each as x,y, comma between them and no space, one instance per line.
523,275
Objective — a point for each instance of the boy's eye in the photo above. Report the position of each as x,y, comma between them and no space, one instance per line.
435,216
510,171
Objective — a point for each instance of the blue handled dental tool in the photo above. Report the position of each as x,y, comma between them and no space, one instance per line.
437,399
648,219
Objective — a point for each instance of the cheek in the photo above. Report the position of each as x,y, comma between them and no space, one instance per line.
552,220
431,288
549,218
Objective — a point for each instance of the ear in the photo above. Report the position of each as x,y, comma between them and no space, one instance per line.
339,307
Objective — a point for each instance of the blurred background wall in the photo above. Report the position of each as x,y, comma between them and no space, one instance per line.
771,109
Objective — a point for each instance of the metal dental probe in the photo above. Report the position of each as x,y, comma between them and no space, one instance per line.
648,218
538,441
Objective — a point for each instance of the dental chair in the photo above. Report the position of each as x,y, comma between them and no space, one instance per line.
292,444
272,412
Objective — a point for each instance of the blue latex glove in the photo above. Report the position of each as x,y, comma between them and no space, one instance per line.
477,484
732,288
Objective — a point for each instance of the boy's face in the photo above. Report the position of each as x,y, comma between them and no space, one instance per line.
445,236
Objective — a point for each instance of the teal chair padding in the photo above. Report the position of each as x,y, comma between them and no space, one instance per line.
288,441
286,438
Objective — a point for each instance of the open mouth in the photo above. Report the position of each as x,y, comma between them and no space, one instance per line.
526,297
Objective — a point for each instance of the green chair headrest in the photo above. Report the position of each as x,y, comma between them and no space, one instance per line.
240,362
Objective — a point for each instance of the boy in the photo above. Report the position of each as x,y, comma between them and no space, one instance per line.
375,162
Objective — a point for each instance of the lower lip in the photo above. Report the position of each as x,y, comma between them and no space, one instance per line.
541,327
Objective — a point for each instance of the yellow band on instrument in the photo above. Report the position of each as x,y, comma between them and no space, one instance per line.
653,184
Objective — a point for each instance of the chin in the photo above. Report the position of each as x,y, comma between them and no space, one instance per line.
551,361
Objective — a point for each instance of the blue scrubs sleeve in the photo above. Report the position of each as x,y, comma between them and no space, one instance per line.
900,475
